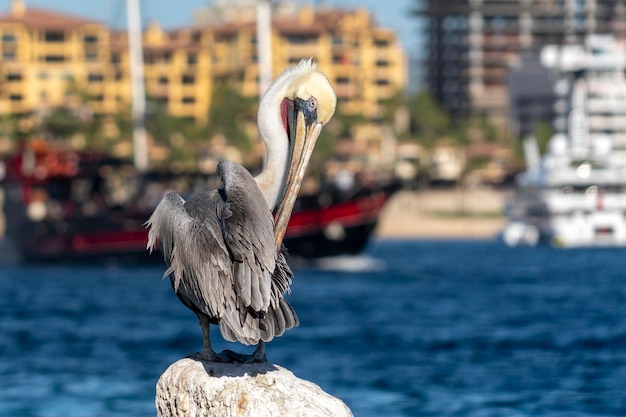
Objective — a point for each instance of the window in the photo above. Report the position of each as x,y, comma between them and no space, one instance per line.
95,78
115,58
8,37
15,97
189,100
54,36
90,39
8,55
224,38
119,75
192,59
381,43
342,80
299,39
54,58
163,80
91,56
340,59
188,79
14,76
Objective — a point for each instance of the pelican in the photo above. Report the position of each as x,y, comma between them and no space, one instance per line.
223,248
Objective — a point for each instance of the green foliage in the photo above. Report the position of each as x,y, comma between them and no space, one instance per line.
543,133
390,105
229,113
61,123
13,127
92,129
428,119
164,127
339,127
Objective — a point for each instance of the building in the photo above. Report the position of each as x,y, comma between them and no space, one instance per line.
43,51
473,43
51,59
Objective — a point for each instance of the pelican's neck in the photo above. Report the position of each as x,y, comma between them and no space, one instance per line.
272,178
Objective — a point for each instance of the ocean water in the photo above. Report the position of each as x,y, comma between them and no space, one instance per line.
411,328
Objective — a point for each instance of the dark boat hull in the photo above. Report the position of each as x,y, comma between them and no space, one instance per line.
70,214
318,245
340,227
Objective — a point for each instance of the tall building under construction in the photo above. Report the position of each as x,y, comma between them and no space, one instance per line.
473,44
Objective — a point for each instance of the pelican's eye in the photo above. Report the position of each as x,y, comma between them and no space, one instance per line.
309,108
311,104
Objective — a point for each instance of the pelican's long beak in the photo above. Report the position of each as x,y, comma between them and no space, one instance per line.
303,138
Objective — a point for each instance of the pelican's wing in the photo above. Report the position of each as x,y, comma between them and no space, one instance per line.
190,237
248,229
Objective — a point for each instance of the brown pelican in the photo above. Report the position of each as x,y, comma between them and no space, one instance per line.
224,247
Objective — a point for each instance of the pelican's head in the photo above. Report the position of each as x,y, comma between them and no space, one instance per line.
307,102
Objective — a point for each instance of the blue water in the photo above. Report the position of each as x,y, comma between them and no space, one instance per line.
413,328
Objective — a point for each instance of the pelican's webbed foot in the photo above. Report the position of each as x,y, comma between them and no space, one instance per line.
257,356
211,357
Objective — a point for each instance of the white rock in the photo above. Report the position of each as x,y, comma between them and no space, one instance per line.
193,388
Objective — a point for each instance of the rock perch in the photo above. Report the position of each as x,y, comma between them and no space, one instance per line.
195,388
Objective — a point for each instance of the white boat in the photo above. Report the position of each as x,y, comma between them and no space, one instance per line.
575,194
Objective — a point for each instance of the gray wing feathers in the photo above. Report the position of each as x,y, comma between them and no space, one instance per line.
197,257
221,256
248,229
167,219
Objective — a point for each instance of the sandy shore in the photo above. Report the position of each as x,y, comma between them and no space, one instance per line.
443,214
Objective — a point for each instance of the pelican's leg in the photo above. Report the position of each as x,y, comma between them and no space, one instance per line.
207,354
259,353
257,356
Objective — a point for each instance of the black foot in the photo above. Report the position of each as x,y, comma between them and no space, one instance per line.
211,357
241,358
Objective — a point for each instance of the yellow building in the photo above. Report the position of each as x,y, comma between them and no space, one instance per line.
48,57
42,51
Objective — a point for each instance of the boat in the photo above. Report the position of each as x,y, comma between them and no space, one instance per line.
72,207
575,194
334,223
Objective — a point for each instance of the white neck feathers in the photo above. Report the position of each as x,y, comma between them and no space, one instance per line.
271,179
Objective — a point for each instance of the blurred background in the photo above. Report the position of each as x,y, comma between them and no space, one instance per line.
466,131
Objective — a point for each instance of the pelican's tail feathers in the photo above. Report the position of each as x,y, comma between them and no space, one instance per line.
233,329
278,320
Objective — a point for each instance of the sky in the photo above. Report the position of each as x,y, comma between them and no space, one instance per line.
178,13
